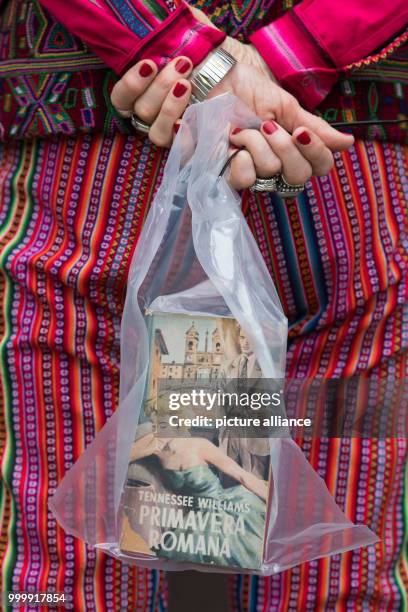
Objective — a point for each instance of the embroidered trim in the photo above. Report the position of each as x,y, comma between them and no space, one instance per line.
383,54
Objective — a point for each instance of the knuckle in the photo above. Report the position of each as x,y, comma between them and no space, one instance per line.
292,101
167,78
269,169
317,151
168,112
247,177
275,167
298,176
128,82
303,176
242,159
325,167
242,171
118,97
330,164
265,109
239,182
284,145
143,111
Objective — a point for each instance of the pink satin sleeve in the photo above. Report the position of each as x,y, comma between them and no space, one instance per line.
310,45
156,34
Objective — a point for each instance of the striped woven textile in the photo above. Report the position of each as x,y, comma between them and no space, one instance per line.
71,211
70,215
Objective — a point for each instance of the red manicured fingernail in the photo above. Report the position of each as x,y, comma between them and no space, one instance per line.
176,127
303,138
236,131
179,90
145,70
269,127
182,66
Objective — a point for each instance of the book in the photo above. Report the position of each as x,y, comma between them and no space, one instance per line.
195,492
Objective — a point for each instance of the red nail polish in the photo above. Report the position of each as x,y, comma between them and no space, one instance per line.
182,66
176,127
303,138
179,90
236,131
145,70
269,127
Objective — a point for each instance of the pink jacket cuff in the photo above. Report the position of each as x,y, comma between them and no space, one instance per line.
179,34
296,60
308,47
119,47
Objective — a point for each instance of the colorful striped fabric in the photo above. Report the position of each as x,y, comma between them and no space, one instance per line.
339,258
70,216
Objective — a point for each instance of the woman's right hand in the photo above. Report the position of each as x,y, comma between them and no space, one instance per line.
158,99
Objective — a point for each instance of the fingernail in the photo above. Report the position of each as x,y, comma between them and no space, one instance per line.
182,66
269,127
176,127
179,90
303,138
236,131
145,70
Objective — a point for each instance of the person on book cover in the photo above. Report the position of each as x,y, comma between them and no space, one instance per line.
190,467
252,454
245,364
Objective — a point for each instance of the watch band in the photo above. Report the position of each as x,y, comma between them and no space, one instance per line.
210,74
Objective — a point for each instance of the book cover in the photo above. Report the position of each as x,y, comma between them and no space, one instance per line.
195,494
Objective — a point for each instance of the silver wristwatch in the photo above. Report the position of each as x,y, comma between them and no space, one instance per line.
210,74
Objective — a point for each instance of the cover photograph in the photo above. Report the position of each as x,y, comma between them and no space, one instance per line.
195,494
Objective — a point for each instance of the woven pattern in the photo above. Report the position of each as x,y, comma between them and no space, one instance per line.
50,82
70,216
339,257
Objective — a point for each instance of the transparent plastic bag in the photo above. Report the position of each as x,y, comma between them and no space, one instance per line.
196,255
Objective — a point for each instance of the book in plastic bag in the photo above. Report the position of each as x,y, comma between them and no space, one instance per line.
195,494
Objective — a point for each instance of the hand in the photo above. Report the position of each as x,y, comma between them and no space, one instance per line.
269,102
252,81
157,99
272,150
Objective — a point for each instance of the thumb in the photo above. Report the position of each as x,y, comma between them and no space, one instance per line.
332,138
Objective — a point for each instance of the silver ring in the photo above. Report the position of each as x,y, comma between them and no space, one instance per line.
285,189
140,126
265,184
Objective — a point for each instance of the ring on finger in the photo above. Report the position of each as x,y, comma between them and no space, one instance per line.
139,126
288,190
265,184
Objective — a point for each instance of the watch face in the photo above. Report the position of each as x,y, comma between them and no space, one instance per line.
213,71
